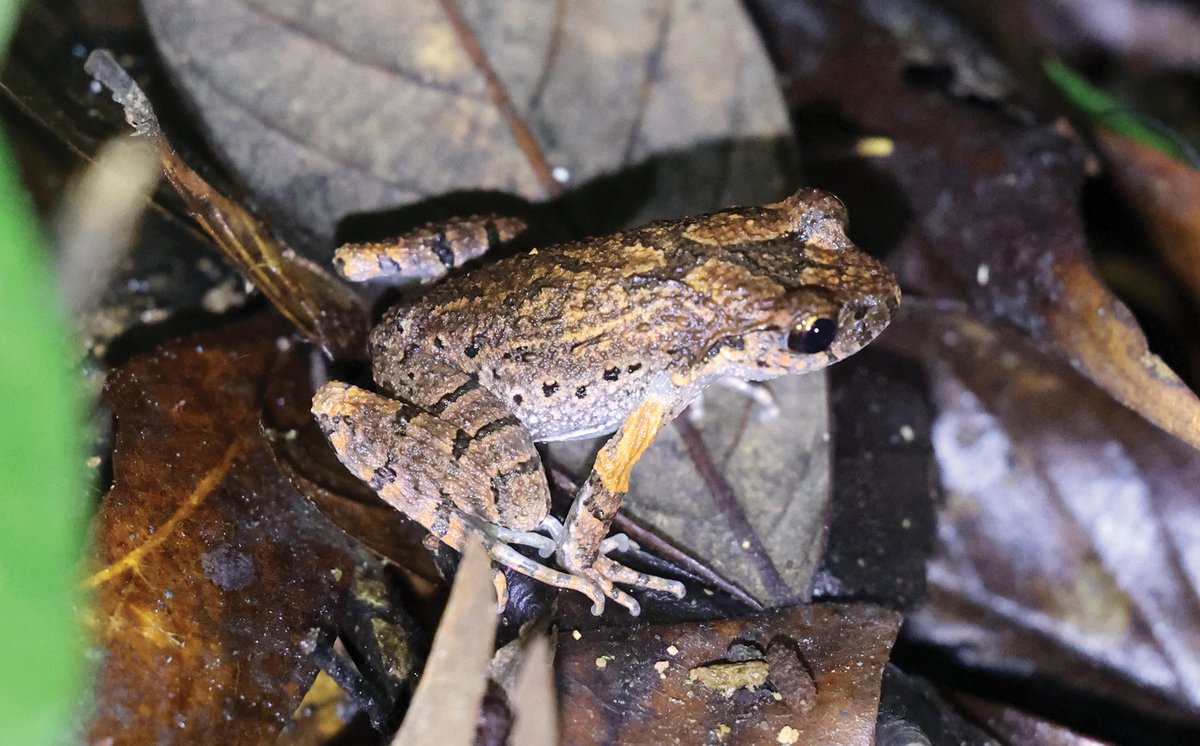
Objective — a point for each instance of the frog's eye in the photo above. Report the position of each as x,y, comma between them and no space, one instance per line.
812,335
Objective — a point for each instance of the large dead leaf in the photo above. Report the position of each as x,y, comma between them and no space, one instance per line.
994,202
367,105
1070,535
805,674
213,570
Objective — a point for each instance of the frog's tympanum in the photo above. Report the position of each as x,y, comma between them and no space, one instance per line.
608,335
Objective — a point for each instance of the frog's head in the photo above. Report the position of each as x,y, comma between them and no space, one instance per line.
818,297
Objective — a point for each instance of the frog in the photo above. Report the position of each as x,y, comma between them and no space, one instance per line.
614,336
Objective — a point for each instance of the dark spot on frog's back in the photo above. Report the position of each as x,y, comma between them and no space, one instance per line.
634,368
441,248
581,392
548,389
384,475
462,441
471,350
612,374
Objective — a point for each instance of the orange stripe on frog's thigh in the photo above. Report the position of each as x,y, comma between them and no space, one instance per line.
616,459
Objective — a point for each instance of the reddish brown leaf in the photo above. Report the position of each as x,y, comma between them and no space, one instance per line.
1166,192
212,569
725,681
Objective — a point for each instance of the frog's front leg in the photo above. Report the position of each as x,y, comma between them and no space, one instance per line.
427,253
581,544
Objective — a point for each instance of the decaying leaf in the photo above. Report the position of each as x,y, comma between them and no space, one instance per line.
1166,192
994,204
1015,726
1070,536
320,307
363,106
212,569
663,677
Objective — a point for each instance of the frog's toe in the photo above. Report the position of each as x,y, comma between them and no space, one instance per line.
617,543
628,576
604,584
545,545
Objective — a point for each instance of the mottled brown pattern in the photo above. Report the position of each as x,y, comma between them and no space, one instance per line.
573,340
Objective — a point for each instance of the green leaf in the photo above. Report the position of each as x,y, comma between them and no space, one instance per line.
42,488
1110,113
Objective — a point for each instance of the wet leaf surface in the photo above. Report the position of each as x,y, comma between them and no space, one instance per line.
327,111
729,681
1068,539
212,569
989,204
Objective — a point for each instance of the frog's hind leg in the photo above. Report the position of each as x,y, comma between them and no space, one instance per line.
427,253
453,527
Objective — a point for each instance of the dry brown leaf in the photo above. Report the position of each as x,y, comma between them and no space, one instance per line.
1166,192
213,571
533,698
320,306
362,106
445,708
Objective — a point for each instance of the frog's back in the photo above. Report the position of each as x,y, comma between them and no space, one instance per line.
571,337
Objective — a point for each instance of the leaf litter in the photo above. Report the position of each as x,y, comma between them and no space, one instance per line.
948,254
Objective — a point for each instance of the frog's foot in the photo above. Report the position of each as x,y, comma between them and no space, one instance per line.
509,557
606,571
545,545
619,573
